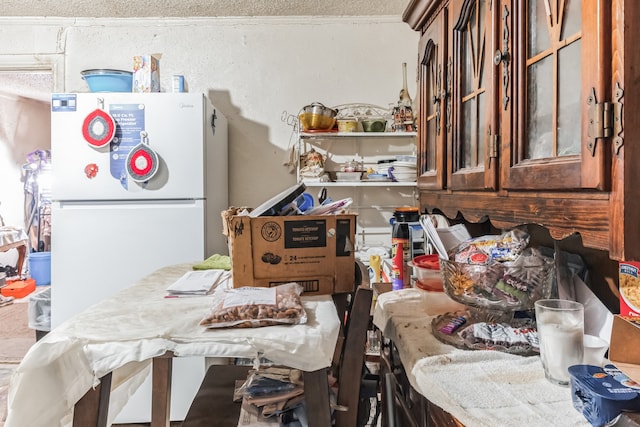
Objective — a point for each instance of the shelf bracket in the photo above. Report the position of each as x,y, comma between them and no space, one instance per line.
605,120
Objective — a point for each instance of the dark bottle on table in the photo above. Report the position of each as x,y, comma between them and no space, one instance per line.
401,242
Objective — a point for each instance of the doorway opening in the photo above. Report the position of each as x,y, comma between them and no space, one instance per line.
26,84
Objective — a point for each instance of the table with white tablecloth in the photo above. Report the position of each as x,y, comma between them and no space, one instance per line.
121,335
477,387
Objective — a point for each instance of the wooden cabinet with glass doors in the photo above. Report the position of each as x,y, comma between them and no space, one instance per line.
526,115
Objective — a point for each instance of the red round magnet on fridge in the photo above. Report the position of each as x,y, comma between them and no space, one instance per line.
142,163
98,128
91,170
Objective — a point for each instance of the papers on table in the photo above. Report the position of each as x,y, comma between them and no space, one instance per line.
197,282
444,237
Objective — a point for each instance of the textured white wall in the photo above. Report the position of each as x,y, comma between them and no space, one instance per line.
189,8
252,68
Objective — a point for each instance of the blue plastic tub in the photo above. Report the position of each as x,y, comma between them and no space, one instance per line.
108,80
40,267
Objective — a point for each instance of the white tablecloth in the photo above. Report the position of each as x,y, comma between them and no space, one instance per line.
11,237
479,388
121,334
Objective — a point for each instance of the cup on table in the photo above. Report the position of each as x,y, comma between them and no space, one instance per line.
594,350
560,326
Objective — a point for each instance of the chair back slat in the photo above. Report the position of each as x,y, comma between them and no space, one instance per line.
352,357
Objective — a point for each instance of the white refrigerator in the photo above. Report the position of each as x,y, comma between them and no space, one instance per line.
139,181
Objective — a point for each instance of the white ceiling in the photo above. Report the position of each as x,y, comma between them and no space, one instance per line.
209,8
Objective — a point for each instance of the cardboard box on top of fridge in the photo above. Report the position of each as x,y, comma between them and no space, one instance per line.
624,349
316,251
146,73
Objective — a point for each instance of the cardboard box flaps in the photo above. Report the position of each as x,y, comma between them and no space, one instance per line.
624,349
315,251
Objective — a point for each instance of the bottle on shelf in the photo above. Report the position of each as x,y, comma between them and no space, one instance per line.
375,263
405,98
403,120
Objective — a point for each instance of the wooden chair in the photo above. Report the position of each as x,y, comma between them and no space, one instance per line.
213,405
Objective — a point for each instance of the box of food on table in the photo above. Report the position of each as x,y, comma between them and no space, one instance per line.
316,251
629,288
624,349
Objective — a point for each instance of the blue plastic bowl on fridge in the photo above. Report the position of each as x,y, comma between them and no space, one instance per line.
108,80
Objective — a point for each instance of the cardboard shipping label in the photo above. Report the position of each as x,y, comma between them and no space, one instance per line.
629,281
305,234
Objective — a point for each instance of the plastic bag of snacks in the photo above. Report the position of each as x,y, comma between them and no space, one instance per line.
492,248
252,307
498,271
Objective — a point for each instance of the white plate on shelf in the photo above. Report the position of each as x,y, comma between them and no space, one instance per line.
348,176
407,158
399,164
402,171
383,169
404,176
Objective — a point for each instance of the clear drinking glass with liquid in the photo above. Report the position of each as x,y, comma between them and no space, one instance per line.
560,326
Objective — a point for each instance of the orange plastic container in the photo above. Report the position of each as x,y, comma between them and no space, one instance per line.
18,288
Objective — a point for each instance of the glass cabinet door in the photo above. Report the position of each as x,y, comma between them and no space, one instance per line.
552,63
435,87
473,148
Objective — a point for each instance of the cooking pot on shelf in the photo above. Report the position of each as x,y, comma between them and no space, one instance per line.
347,124
316,116
319,108
374,124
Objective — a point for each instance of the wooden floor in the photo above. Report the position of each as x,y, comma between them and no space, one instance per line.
173,424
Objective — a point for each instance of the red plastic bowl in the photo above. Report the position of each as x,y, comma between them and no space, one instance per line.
427,271
431,262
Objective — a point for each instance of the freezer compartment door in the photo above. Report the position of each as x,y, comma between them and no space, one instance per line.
98,249
169,128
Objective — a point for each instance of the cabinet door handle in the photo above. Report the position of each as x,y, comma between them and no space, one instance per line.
503,57
500,56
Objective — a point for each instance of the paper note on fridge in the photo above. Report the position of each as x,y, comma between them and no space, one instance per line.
198,282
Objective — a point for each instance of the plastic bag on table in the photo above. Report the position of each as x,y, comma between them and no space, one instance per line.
270,379
252,307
